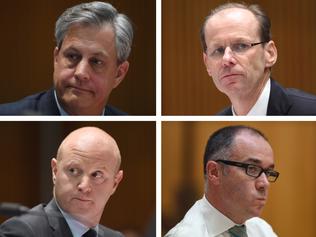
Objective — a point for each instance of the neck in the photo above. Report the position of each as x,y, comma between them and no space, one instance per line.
223,207
243,103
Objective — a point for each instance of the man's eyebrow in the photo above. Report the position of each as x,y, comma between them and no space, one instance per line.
100,54
257,162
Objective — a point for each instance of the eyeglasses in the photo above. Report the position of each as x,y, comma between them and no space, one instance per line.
236,48
253,170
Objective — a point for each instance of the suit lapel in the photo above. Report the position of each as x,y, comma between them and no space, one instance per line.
58,224
47,104
279,103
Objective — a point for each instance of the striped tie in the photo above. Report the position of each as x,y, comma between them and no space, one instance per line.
238,231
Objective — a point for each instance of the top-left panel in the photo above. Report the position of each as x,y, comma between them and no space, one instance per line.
72,58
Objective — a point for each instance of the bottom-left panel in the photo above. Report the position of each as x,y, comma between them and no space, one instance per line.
80,177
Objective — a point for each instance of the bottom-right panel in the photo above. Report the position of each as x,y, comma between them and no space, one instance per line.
229,178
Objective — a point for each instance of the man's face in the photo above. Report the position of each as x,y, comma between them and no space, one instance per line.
85,177
243,73
244,196
86,69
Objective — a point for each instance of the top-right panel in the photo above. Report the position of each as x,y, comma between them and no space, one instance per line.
238,58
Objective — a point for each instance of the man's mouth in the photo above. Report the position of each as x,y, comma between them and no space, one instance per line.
230,75
80,89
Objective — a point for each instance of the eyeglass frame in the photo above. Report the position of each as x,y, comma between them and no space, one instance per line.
245,166
249,46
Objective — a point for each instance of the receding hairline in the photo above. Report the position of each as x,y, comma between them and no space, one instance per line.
262,19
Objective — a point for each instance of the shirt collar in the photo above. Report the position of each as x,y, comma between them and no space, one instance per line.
216,222
62,111
261,105
76,227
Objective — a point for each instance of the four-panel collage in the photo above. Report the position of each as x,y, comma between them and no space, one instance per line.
171,118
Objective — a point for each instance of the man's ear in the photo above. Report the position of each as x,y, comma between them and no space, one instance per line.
271,54
212,172
53,164
56,51
205,60
117,179
121,72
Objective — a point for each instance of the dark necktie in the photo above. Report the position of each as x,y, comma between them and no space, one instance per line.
90,233
238,231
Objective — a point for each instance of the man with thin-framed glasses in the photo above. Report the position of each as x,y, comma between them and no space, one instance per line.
238,53
238,170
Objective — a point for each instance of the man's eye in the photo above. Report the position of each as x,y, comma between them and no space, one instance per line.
96,62
218,51
239,47
72,57
74,171
253,169
97,175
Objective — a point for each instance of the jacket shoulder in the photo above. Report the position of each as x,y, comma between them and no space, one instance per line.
42,103
113,111
225,112
302,103
26,225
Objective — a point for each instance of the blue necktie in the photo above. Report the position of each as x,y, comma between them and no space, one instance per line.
238,231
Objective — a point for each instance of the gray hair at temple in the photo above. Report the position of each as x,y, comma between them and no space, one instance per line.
98,14
261,16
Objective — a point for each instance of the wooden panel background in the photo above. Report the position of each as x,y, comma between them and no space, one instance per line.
27,44
188,90
291,207
25,175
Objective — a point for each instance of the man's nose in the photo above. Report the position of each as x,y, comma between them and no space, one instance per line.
262,182
84,184
82,70
228,57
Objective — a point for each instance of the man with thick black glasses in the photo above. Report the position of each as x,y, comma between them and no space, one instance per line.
238,170
239,53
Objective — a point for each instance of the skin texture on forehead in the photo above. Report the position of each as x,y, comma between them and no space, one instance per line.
229,21
247,142
89,140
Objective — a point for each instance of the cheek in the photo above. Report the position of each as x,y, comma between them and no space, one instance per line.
63,186
256,66
62,74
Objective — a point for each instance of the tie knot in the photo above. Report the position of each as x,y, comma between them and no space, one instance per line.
90,233
238,231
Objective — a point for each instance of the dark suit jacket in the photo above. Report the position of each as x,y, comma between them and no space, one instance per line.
286,101
47,221
42,103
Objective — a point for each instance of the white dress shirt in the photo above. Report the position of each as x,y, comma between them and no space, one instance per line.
203,220
261,105
60,108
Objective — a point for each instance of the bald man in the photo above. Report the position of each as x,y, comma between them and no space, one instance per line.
86,172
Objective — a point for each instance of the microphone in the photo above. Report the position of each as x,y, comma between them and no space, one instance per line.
12,209
15,209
